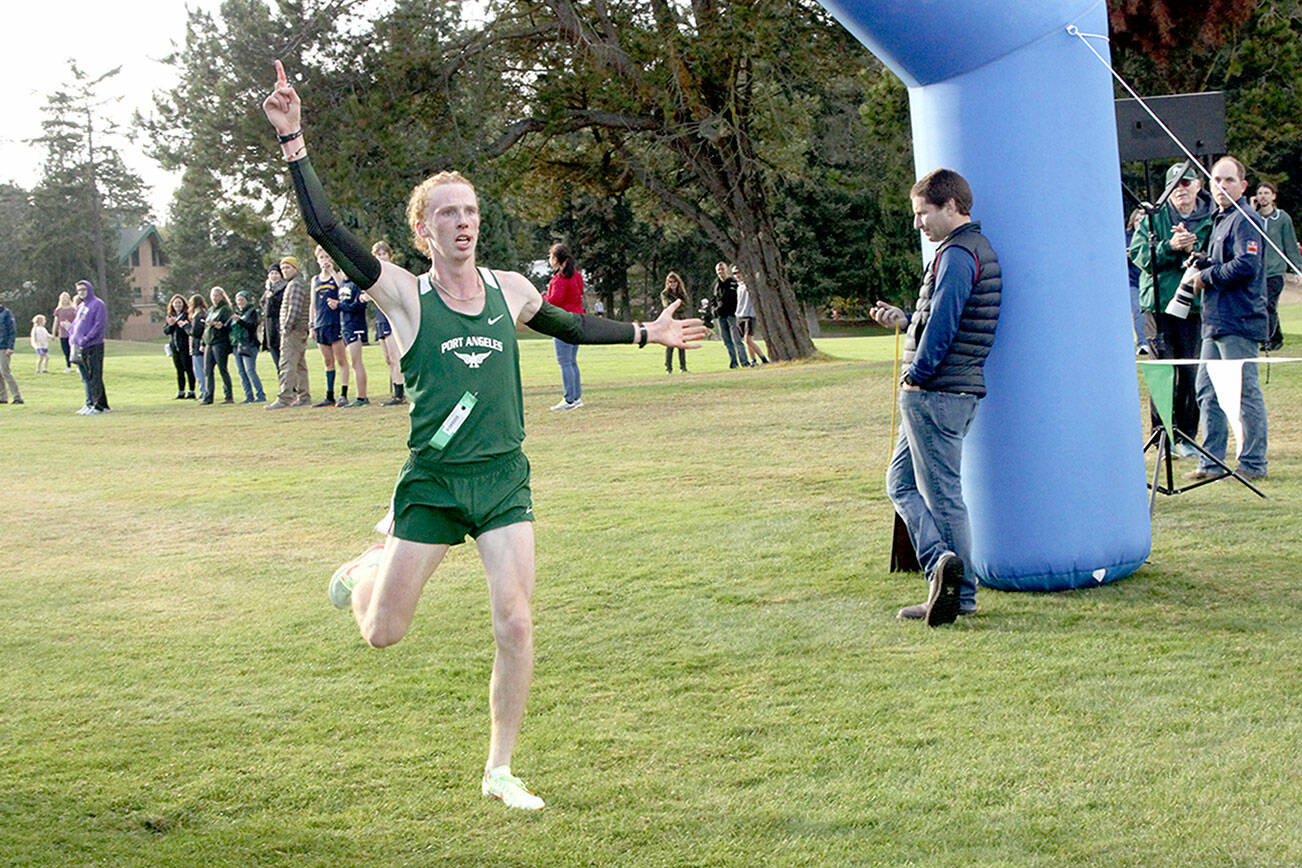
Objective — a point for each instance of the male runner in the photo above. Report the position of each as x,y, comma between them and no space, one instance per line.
466,474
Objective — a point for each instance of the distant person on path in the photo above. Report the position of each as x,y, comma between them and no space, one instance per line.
1279,228
566,292
725,315
746,322
40,340
196,327
273,290
949,337
352,322
61,320
384,334
244,337
8,335
292,366
1234,321
175,324
87,338
217,345
675,291
466,474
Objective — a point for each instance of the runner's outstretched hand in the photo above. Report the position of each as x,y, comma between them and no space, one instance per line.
670,332
282,105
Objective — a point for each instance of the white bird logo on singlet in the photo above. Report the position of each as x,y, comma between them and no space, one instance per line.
472,360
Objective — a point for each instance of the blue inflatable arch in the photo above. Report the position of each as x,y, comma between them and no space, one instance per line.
998,90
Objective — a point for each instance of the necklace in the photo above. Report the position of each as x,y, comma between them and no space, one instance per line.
479,286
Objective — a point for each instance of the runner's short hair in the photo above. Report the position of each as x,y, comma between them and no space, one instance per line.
940,185
420,198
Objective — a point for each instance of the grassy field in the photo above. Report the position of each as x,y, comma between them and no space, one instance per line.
720,678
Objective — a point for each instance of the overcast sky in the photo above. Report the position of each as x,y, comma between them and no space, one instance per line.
99,36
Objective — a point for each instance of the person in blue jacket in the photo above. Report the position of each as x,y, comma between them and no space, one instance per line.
352,321
949,336
8,332
1235,322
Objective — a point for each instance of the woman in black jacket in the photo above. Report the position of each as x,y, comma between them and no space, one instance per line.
178,341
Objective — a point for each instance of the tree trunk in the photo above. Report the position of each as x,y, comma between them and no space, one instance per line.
779,314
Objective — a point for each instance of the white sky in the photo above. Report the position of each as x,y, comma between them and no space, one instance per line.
99,36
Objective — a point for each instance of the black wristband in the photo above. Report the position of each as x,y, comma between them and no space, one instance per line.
289,138
641,341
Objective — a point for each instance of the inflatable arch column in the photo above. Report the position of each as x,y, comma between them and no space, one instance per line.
999,91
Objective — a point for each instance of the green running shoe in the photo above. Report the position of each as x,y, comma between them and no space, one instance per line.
499,783
348,575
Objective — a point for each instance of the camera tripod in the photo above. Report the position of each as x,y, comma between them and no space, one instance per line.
1164,446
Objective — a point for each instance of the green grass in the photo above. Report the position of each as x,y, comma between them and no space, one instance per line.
720,678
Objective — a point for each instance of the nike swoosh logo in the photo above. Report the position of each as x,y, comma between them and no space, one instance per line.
493,319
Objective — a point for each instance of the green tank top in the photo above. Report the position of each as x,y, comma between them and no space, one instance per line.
454,353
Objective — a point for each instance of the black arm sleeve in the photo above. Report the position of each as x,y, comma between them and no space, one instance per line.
580,328
351,255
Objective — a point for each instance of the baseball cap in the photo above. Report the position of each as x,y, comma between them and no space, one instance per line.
1174,172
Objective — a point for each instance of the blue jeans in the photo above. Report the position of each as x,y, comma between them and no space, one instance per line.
200,380
732,340
923,479
567,356
1252,407
1136,315
247,365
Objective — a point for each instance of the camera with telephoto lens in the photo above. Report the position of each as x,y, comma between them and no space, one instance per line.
1183,300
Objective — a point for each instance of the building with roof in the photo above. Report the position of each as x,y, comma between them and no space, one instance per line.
141,251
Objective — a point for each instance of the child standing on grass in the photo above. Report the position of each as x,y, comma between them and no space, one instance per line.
41,343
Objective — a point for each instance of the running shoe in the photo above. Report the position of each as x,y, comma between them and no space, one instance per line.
499,783
348,575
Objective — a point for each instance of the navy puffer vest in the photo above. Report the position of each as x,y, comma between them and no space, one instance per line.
962,368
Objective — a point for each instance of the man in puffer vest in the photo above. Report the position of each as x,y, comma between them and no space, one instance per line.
949,336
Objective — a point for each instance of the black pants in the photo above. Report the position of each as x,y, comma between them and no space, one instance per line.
273,346
67,352
1176,338
92,375
1274,286
184,371
669,359
218,356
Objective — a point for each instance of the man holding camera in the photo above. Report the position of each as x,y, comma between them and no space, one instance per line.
1233,282
949,337
1159,247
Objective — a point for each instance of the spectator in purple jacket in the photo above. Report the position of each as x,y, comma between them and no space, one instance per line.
87,339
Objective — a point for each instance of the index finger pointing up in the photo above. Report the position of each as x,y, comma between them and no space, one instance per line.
280,75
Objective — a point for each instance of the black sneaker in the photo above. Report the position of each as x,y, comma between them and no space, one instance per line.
946,583
918,612
393,402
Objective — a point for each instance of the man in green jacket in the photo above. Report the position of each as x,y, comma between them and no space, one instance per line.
1279,228
1161,243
